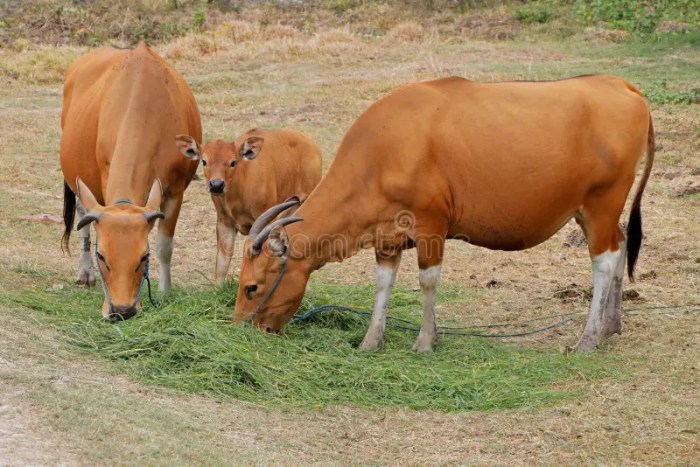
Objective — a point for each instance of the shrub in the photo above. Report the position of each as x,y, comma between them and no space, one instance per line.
638,16
535,12
661,94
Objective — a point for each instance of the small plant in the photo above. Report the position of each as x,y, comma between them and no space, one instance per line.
341,6
535,12
661,94
199,17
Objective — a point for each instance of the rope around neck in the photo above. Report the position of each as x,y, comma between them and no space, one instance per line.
269,294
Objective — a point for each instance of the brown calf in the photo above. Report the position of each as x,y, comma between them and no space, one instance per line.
249,175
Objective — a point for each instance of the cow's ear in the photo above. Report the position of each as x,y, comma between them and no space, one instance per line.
278,243
87,199
251,148
188,147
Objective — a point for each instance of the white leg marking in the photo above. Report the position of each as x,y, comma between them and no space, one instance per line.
385,278
164,250
604,266
428,336
612,324
86,272
226,239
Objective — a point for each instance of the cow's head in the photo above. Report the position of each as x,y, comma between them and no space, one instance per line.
267,261
220,158
122,247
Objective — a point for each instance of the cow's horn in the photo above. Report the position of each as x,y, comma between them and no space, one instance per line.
87,219
256,246
270,214
152,215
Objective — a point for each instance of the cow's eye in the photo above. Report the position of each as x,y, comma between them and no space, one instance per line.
102,258
250,290
233,163
144,258
204,163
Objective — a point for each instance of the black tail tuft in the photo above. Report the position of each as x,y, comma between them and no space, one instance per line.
68,216
634,235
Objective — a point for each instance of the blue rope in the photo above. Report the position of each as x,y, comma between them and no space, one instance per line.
413,327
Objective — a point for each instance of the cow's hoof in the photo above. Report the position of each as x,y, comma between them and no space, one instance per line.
612,327
425,344
371,342
86,278
585,345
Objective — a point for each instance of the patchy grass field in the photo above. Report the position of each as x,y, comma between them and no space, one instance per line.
179,385
189,345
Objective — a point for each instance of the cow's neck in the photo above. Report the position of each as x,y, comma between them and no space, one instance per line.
131,174
338,222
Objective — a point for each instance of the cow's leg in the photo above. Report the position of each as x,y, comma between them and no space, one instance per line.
604,243
385,276
164,240
612,322
225,241
86,271
430,250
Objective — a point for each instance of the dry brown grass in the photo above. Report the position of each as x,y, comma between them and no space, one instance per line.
318,82
408,31
40,64
244,41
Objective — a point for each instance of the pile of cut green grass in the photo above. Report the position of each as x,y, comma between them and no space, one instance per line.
188,344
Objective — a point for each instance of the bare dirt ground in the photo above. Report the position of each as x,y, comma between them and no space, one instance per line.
59,408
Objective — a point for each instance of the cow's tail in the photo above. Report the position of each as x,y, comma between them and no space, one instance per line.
634,225
68,216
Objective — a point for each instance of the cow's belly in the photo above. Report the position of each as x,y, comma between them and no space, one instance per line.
507,226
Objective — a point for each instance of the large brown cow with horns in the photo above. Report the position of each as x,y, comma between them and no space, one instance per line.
121,112
502,165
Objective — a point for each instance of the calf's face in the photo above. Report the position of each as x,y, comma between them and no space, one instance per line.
219,159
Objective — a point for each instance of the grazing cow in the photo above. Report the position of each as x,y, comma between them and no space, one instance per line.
251,174
502,165
121,112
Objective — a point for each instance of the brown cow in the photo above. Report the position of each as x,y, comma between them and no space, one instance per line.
287,163
121,111
502,165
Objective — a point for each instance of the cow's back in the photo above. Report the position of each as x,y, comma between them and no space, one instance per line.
493,159
122,110
84,85
289,158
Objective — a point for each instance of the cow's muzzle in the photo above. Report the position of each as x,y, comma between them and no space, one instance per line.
120,313
216,186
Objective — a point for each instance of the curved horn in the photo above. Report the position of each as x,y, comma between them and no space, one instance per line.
153,215
256,246
270,214
87,219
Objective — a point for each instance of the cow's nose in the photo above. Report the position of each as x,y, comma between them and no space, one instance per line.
216,186
120,313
